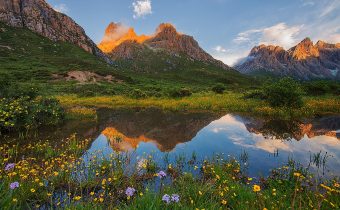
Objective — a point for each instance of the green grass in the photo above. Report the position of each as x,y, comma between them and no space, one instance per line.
227,102
32,60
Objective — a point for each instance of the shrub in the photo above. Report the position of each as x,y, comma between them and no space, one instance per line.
137,93
219,88
179,93
284,93
256,94
25,113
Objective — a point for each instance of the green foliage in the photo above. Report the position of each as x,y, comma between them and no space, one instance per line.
284,93
255,94
322,87
219,88
180,93
26,113
137,93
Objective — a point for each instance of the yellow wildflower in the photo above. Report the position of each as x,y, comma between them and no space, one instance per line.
256,188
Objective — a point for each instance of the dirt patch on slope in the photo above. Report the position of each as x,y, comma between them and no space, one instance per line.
85,77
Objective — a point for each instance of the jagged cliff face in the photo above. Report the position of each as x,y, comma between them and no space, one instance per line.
123,45
39,17
304,61
116,34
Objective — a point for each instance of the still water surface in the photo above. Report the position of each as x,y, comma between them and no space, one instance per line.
267,143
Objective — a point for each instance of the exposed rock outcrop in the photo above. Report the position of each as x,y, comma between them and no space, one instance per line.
120,42
40,17
304,61
116,34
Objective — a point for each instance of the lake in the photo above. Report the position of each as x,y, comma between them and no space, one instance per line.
260,144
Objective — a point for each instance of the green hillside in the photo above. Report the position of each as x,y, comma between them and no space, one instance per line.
30,59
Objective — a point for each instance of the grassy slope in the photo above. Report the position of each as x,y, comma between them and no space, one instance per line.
33,59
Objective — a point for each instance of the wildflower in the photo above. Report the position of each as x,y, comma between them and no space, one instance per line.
297,174
77,198
175,198
91,193
265,208
141,194
161,174
256,188
14,185
200,193
55,173
101,200
15,200
224,202
33,190
166,198
130,191
9,166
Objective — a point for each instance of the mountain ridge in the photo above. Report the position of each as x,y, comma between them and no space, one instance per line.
305,61
166,38
41,18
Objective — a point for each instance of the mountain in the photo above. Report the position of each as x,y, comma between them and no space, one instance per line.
304,61
116,34
41,18
122,43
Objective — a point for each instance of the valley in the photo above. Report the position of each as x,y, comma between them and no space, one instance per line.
155,121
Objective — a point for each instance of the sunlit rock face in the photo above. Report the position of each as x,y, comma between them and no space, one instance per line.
116,34
41,18
304,61
121,42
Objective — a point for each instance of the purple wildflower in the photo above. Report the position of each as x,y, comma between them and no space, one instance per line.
14,185
175,198
161,174
9,166
166,198
130,191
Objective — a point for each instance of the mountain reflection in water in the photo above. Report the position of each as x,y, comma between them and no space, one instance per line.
206,134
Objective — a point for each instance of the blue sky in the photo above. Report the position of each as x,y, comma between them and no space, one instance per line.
227,29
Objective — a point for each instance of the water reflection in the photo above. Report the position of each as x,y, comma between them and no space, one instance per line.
207,134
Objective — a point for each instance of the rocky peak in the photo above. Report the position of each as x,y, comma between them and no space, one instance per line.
41,18
304,61
323,45
304,50
265,49
166,28
116,34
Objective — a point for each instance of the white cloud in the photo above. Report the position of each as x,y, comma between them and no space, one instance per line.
220,49
230,57
279,34
141,8
332,6
62,8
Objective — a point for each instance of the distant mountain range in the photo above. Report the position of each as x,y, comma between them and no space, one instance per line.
304,61
120,42
167,49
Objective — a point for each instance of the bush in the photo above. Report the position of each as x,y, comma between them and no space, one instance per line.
179,93
256,94
219,88
284,93
25,113
137,93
